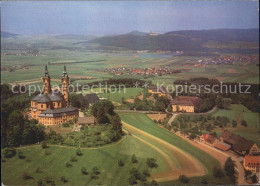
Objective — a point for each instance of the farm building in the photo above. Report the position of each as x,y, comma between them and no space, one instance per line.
212,140
252,163
52,107
185,103
222,146
209,138
86,120
157,90
92,98
239,144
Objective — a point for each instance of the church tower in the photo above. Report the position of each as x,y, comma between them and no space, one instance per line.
65,86
46,81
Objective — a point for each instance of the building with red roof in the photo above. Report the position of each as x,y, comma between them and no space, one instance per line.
252,163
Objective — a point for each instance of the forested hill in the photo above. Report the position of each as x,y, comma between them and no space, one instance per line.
193,40
8,34
229,35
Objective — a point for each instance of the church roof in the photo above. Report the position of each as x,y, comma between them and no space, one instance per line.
58,112
92,98
45,98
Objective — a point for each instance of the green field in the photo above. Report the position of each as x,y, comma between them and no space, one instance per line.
142,122
116,96
105,159
238,111
83,62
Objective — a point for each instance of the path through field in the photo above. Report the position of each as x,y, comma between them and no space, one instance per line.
189,165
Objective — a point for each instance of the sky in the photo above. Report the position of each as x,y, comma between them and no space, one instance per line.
117,17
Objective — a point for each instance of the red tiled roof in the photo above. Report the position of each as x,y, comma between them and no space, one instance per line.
238,143
252,161
210,138
186,100
222,146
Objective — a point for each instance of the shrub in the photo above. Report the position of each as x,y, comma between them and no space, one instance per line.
20,155
95,170
40,183
38,170
154,183
73,159
192,136
134,160
229,167
120,163
9,152
47,152
49,180
84,171
151,162
183,179
218,172
26,176
132,180
78,152
244,123
204,180
68,164
146,173
254,179
66,124
44,145
63,179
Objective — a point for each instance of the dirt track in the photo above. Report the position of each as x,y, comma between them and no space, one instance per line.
189,165
221,157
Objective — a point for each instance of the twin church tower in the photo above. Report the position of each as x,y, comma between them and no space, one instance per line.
51,107
65,84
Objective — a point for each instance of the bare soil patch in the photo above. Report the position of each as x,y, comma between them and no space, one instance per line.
157,117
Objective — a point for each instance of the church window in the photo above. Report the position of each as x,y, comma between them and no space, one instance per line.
41,106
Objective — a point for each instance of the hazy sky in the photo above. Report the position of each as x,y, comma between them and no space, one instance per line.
114,17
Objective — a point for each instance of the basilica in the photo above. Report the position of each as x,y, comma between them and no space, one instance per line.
51,107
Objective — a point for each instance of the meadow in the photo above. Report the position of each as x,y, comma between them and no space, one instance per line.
238,113
141,121
106,159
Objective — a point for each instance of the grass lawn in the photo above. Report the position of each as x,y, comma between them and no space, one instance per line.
239,112
106,159
142,122
117,95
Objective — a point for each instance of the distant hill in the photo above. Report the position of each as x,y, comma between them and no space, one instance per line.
8,34
137,33
72,36
187,40
250,35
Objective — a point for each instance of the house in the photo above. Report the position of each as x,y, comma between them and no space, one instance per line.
209,138
86,120
239,144
92,98
252,163
185,103
157,90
